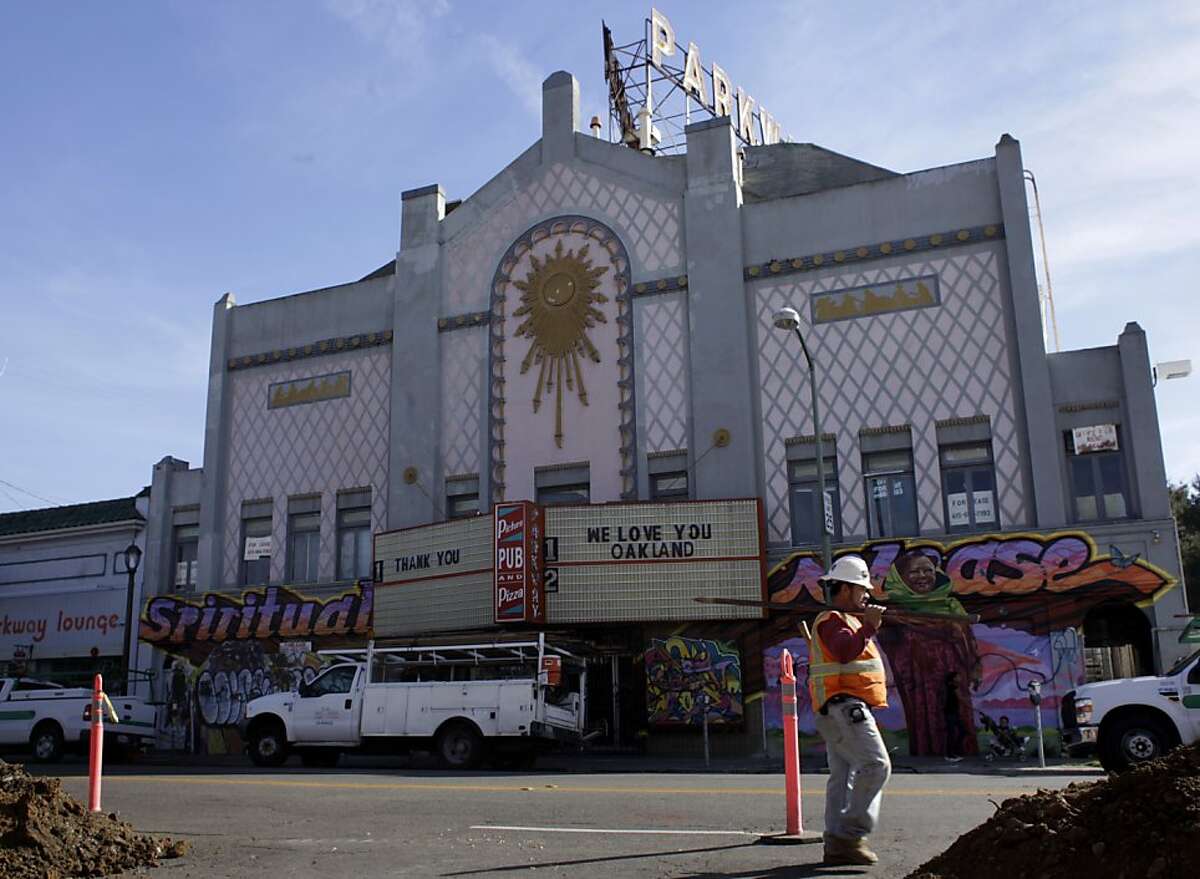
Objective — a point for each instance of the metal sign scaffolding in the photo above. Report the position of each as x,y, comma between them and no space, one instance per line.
657,87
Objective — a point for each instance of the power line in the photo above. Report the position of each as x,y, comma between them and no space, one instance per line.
57,503
16,503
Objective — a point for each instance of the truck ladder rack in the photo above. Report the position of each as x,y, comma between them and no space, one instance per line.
479,653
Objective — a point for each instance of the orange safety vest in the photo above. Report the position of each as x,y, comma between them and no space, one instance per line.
863,678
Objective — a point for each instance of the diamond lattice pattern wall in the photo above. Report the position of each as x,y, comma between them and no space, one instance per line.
915,367
464,372
307,449
662,371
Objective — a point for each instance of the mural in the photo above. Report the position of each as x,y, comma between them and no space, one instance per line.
1009,659
206,702
1031,593
225,650
684,675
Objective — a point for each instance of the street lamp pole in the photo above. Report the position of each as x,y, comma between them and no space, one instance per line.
789,319
133,558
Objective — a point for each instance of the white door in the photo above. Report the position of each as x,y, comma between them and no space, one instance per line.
1191,697
324,710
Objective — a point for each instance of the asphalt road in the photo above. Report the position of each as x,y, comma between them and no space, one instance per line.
403,822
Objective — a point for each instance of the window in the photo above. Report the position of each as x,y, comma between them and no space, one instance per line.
669,486
186,550
1097,481
304,539
668,475
337,680
257,545
808,508
462,497
969,488
891,493
569,484
354,535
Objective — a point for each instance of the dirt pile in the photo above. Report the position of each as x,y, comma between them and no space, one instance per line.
1143,823
47,834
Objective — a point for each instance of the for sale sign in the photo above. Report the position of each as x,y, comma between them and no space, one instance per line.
518,574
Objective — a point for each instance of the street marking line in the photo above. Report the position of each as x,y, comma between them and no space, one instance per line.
611,830
498,788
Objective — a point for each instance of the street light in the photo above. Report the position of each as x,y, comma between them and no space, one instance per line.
789,319
133,558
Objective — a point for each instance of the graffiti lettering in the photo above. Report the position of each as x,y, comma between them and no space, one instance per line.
987,565
171,621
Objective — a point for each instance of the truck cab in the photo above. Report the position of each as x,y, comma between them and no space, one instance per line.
1133,720
504,699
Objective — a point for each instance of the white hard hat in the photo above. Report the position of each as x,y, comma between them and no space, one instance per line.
850,569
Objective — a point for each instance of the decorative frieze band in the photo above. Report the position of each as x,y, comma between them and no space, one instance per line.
314,349
867,252
463,321
662,285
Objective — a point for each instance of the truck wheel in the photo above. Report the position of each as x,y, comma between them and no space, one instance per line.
460,746
47,742
1132,740
320,758
268,744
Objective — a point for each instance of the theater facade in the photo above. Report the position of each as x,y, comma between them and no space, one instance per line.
580,361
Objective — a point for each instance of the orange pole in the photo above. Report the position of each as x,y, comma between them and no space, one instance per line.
791,746
96,761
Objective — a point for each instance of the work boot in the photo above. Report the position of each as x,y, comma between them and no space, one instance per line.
844,851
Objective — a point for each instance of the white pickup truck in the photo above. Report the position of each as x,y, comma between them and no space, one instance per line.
48,719
463,702
1132,720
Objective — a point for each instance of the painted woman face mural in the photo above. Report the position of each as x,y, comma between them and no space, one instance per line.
918,572
923,654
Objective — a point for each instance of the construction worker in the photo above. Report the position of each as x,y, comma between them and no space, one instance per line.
846,679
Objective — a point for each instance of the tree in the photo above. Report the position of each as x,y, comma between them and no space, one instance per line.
1185,507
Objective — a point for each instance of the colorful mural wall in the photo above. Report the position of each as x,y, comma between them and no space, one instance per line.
224,651
1031,593
686,676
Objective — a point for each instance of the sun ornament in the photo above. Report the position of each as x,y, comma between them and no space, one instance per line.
558,304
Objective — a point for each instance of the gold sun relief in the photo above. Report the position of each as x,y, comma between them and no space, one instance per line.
558,299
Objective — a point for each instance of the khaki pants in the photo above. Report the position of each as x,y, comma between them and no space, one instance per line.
859,767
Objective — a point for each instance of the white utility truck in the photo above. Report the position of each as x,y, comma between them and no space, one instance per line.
1132,720
505,700
48,719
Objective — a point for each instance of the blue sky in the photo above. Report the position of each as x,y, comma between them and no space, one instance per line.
158,154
